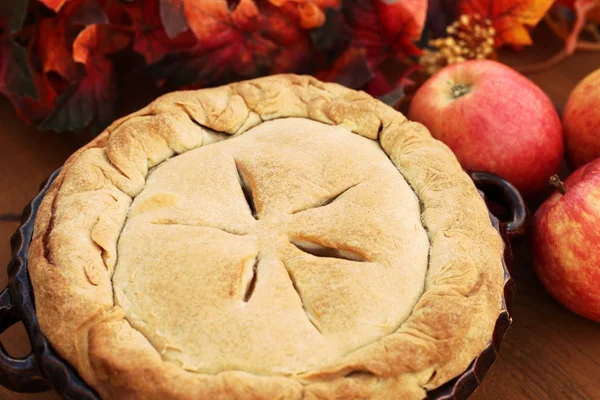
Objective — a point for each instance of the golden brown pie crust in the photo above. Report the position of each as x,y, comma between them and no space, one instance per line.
74,249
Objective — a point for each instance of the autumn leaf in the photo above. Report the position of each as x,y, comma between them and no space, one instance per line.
248,41
293,52
150,38
440,14
12,14
308,14
35,109
215,26
55,36
52,35
16,78
333,37
91,100
386,28
54,5
242,38
58,71
510,18
351,69
84,12
189,69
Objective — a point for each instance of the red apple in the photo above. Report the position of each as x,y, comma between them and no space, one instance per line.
495,120
566,242
581,121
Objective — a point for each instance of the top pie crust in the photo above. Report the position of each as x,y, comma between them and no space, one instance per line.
293,260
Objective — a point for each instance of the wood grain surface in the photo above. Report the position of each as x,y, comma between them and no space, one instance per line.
549,353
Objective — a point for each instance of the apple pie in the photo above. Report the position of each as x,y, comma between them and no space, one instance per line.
274,238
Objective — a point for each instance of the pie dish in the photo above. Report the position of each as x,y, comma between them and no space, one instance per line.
273,238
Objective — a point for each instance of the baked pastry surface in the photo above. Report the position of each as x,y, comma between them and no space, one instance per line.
273,238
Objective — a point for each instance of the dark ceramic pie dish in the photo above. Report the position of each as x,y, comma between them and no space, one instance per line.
44,370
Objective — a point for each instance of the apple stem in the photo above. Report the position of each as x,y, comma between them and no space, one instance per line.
459,90
558,184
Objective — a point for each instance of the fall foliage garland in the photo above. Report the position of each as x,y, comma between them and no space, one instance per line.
56,56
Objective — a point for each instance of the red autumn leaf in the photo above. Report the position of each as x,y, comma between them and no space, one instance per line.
91,100
510,18
84,12
36,109
333,37
351,69
213,63
54,5
386,28
150,38
54,50
194,43
235,34
293,44
55,36
190,69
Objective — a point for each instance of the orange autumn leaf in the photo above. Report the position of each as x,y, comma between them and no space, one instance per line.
309,14
214,25
510,18
97,41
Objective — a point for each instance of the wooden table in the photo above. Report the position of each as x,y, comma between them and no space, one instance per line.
549,353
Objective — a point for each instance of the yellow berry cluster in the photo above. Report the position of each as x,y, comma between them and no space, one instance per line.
471,37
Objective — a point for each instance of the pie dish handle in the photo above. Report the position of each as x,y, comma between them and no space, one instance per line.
499,191
17,374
